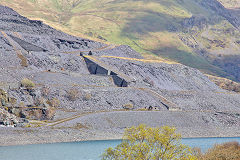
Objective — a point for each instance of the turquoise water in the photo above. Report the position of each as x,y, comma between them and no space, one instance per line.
89,150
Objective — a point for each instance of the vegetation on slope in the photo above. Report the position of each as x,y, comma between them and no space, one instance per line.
225,83
230,3
186,31
225,151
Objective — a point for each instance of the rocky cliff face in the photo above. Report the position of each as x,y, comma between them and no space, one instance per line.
6,118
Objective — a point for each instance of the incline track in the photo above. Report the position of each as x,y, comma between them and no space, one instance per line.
100,63
18,51
140,60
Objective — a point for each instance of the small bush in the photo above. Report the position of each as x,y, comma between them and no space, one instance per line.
87,97
21,105
50,113
27,83
37,114
73,94
80,126
128,106
12,101
225,151
39,101
45,91
54,102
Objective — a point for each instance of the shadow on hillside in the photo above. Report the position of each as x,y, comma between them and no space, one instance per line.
150,21
230,64
230,14
192,60
224,66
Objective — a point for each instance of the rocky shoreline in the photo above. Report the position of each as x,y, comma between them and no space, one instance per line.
15,136
22,136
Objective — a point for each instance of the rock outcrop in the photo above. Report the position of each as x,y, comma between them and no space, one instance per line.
7,119
221,10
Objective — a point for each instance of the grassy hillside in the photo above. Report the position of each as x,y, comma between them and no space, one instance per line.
165,28
230,3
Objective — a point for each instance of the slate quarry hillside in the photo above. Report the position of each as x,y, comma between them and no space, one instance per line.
202,34
113,85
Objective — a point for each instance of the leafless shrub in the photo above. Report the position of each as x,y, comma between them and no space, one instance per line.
87,96
54,102
128,106
27,83
225,151
39,101
73,94
45,91
50,112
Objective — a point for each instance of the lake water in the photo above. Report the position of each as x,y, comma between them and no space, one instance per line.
88,150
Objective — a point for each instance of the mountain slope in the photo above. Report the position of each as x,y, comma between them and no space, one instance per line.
52,82
200,33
